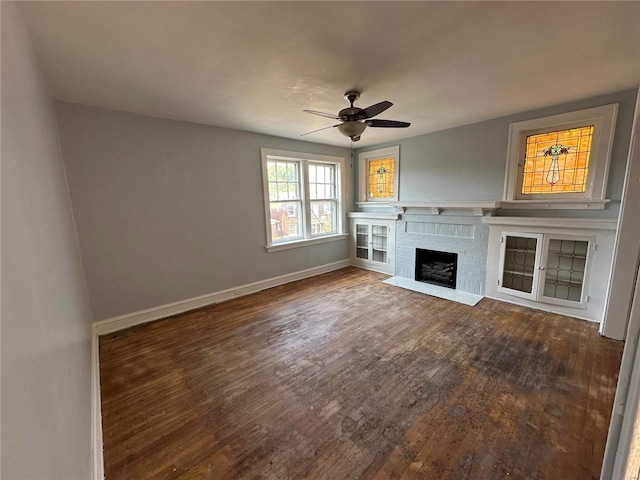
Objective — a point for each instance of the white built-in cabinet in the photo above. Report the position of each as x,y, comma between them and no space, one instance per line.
373,241
560,265
547,268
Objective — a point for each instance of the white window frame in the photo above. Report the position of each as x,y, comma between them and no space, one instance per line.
603,119
364,158
303,160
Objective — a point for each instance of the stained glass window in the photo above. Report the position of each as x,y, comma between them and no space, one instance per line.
381,177
557,161
378,175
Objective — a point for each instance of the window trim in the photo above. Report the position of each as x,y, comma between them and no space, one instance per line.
268,154
363,168
604,120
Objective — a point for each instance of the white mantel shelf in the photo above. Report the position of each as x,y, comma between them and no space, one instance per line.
479,208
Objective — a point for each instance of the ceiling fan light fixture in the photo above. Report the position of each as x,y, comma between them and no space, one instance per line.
352,129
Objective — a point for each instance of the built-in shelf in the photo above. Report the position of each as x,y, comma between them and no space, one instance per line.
519,273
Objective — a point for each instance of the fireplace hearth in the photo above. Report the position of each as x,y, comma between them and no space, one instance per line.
437,268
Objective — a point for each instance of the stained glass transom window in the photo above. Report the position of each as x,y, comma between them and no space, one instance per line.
381,178
558,161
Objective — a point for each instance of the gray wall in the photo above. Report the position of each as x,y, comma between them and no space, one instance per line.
46,335
168,210
468,162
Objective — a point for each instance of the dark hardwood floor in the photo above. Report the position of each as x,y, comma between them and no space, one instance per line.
342,377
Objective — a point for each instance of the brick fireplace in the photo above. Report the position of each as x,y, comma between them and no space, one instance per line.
464,236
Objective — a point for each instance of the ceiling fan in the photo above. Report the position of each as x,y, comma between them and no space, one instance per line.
355,120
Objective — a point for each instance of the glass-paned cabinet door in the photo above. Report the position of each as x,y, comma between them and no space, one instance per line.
379,243
520,264
565,269
362,240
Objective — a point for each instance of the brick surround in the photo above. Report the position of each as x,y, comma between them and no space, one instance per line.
465,235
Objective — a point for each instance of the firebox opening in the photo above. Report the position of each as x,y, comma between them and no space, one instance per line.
437,268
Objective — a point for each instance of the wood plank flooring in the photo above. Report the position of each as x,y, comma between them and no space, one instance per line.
342,377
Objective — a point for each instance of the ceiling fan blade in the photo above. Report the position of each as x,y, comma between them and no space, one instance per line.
374,110
314,131
322,114
387,123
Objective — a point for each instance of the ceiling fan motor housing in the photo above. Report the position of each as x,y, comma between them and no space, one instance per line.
351,113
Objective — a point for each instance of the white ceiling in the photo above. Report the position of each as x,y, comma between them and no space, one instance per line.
256,65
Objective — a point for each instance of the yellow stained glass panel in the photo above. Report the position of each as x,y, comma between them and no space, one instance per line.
567,172
381,178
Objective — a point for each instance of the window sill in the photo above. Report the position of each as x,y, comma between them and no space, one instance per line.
555,204
306,242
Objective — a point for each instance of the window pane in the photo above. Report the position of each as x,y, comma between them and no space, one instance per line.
292,172
273,191
381,178
558,161
293,191
283,180
323,216
323,184
285,221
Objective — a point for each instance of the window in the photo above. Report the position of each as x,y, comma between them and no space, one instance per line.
558,161
379,175
562,157
303,195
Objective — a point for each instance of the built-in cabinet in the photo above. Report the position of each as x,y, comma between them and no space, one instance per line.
373,241
548,268
555,264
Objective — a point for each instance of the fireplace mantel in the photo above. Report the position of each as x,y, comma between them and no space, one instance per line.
477,208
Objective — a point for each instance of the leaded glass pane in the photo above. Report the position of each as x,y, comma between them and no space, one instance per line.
381,178
519,263
565,270
558,161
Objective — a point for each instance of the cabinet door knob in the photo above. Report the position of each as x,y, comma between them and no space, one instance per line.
541,267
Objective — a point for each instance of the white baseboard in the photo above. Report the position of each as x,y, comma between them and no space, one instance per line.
127,320
96,410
